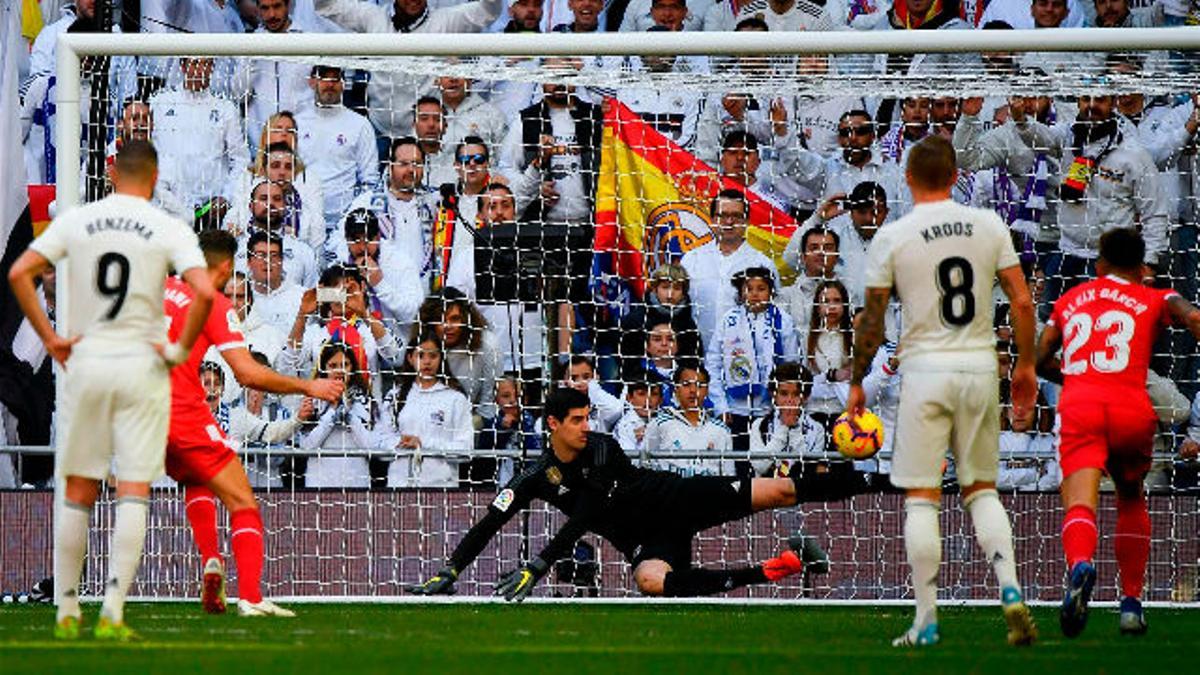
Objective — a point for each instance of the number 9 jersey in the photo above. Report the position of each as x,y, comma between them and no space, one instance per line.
1109,327
942,259
118,253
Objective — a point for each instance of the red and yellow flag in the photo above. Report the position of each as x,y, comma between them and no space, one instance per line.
652,206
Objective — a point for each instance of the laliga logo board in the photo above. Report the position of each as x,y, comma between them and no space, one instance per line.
672,229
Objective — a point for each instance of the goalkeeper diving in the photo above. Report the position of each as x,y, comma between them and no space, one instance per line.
649,516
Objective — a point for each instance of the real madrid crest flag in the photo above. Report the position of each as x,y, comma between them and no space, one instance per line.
652,200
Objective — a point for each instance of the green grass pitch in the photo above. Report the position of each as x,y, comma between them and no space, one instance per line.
577,638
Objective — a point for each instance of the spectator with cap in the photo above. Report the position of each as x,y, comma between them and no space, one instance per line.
337,143
392,94
524,16
711,266
269,212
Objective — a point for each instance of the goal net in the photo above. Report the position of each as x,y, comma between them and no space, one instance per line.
528,208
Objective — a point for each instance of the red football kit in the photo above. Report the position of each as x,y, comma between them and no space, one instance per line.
196,447
1109,327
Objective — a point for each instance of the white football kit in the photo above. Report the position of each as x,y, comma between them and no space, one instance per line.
117,394
941,260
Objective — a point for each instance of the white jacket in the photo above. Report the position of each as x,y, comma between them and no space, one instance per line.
200,141
626,430
275,86
671,431
787,445
391,95
743,351
252,432
441,418
475,117
342,426
339,145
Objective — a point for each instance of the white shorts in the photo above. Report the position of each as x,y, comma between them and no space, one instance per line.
118,411
955,410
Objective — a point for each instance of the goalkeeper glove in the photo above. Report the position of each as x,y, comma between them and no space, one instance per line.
441,583
518,584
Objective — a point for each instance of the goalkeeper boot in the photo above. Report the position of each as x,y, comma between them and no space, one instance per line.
1021,629
1133,621
263,607
816,560
1073,615
110,631
212,593
919,637
783,566
67,628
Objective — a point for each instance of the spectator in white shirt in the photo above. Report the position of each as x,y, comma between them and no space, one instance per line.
579,373
710,267
346,425
269,212
338,144
585,15
855,218
642,400
688,427
827,348
674,15
468,114
276,297
261,337
787,433
429,126
276,85
815,254
426,412
199,137
305,219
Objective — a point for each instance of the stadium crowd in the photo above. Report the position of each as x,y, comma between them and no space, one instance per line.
427,239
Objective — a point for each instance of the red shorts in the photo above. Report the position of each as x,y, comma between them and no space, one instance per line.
196,453
1115,435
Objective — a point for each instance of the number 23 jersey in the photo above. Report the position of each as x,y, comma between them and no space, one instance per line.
1109,326
942,259
118,253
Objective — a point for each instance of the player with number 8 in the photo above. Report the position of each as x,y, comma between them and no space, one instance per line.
1106,329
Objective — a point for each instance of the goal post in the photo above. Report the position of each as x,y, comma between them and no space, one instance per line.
366,544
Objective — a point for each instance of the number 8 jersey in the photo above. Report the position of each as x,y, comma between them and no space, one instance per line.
1109,327
942,259
118,253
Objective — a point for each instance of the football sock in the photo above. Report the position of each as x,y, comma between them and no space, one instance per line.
994,534
697,581
202,514
923,541
1079,534
246,540
129,534
70,548
1132,543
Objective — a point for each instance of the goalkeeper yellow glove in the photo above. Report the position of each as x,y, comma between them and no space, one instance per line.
518,584
441,583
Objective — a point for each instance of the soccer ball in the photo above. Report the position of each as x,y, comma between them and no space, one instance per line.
859,439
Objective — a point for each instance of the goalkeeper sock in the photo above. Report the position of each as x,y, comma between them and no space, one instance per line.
923,542
201,512
1079,534
1132,543
129,534
994,534
70,549
246,540
695,581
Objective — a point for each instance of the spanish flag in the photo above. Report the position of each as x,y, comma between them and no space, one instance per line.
652,206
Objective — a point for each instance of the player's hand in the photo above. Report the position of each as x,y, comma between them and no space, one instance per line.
60,347
325,389
1024,392
1189,449
518,584
441,583
171,352
856,401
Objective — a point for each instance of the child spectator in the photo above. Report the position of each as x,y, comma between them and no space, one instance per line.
642,400
689,427
666,299
512,429
827,351
343,425
788,434
425,410
260,420
749,341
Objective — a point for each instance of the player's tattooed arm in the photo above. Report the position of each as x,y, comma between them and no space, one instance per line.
868,332
1184,314
1048,365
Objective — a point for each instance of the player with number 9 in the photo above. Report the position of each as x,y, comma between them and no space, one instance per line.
941,259
1106,329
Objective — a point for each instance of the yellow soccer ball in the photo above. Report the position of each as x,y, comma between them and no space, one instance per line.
861,438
